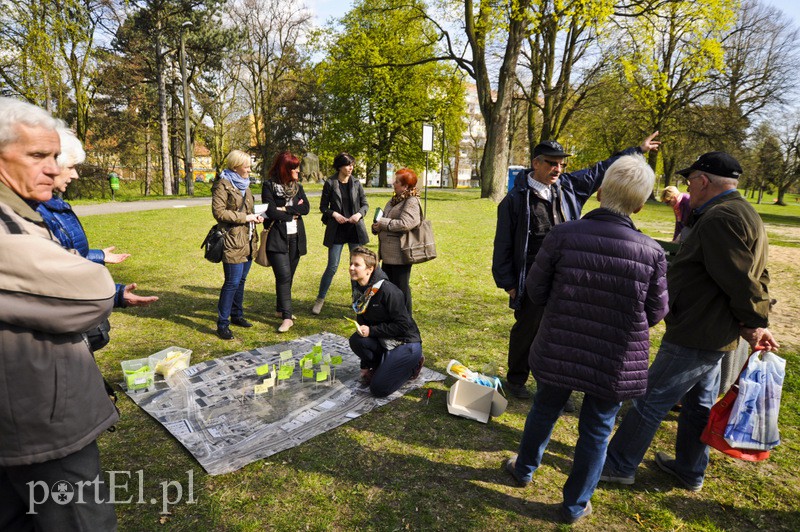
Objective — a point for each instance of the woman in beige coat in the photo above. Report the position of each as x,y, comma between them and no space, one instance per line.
232,206
402,214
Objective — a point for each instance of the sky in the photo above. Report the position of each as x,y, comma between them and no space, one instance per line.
789,7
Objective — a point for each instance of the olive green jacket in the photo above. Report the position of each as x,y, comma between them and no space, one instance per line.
718,279
241,240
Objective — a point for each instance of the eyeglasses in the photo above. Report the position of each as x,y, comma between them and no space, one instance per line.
555,163
688,179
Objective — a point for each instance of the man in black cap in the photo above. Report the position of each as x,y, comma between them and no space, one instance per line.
542,197
717,291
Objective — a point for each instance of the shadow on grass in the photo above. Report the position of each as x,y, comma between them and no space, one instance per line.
425,493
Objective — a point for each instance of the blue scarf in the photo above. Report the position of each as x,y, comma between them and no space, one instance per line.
236,180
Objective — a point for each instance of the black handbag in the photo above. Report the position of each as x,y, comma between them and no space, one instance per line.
214,244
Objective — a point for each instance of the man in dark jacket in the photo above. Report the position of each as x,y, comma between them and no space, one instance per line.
717,291
602,284
542,197
53,404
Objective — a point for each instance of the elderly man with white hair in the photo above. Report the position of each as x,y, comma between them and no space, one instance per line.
53,404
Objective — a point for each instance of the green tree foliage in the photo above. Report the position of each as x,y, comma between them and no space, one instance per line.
667,56
28,52
150,38
380,87
562,61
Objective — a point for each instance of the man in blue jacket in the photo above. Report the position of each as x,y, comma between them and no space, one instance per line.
542,197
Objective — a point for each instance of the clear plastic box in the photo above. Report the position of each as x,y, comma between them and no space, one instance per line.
170,360
138,374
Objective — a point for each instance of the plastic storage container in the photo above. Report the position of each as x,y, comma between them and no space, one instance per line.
138,373
170,360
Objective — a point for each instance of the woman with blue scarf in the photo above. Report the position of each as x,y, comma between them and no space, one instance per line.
232,206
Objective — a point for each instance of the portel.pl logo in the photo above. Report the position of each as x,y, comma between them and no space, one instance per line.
120,489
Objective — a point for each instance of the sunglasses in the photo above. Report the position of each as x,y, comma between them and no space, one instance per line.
553,164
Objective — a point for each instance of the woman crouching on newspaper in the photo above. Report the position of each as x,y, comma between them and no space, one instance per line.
387,339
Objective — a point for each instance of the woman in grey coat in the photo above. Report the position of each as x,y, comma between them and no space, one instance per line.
402,214
343,205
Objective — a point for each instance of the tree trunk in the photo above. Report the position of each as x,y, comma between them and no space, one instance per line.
174,144
163,119
383,171
496,112
148,162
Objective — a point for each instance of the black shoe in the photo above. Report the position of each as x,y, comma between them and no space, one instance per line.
517,390
225,333
241,322
421,363
571,520
510,466
667,464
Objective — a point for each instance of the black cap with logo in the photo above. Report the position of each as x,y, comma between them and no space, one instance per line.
715,163
550,148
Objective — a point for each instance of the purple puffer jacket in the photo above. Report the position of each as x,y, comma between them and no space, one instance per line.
604,285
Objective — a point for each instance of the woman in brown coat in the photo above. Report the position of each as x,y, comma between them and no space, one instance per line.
232,206
402,213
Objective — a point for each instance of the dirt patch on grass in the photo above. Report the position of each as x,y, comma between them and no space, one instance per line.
784,271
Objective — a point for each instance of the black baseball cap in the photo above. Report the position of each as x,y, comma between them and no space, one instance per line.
716,163
551,148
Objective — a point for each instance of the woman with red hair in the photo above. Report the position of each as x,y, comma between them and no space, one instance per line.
286,243
402,214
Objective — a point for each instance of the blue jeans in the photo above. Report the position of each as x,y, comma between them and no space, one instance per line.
677,372
334,256
392,368
594,427
231,297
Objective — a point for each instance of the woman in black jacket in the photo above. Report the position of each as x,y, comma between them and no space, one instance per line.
343,205
286,243
387,339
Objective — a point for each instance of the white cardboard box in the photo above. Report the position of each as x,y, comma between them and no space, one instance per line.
473,401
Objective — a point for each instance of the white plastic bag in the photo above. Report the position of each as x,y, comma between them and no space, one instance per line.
753,423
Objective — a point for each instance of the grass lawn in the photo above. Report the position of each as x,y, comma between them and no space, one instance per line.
407,465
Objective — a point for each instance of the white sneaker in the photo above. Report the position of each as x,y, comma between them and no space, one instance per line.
285,326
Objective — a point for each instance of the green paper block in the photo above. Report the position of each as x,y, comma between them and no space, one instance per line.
336,360
285,373
308,373
286,355
262,370
322,376
317,349
316,357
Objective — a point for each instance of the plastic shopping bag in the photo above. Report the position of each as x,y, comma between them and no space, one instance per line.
753,423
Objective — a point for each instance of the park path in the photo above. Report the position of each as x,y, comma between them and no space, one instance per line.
113,207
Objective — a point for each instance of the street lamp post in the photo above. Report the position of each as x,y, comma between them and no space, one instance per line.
187,163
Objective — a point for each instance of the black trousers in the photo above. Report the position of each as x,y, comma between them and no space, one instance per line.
400,276
528,317
283,266
47,496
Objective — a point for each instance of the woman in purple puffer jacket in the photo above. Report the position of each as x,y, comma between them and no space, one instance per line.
603,285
